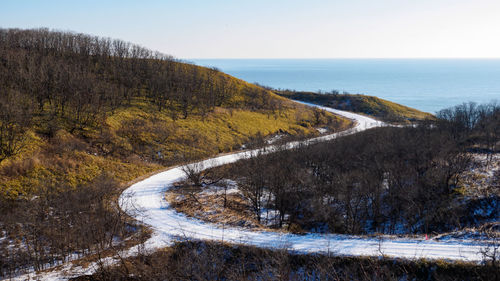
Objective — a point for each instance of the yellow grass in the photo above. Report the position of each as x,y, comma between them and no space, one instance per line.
58,164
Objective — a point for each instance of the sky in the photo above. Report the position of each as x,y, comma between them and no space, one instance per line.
277,28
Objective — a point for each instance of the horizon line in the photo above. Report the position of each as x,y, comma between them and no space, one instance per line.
347,58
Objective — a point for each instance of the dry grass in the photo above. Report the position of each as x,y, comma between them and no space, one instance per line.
211,208
369,105
483,177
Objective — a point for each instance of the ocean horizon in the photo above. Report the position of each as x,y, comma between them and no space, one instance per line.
425,84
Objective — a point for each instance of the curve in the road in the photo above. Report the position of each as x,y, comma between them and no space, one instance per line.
145,201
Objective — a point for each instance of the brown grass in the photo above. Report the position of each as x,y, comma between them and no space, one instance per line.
210,207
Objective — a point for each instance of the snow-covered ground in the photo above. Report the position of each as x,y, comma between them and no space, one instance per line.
145,201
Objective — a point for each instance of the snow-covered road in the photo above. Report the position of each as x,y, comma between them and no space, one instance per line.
145,201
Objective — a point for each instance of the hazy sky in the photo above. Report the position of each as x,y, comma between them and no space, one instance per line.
278,28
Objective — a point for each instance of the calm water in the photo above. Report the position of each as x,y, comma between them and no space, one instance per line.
425,84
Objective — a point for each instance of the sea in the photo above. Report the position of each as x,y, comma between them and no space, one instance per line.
429,85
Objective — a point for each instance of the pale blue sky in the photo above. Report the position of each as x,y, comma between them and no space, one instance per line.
278,29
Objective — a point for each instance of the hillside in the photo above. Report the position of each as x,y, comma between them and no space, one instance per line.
76,106
370,105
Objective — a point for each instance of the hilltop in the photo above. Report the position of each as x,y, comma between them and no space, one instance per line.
369,105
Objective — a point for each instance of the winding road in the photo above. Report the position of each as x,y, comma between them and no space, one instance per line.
146,202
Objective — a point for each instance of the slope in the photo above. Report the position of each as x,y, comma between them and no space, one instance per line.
369,105
76,106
